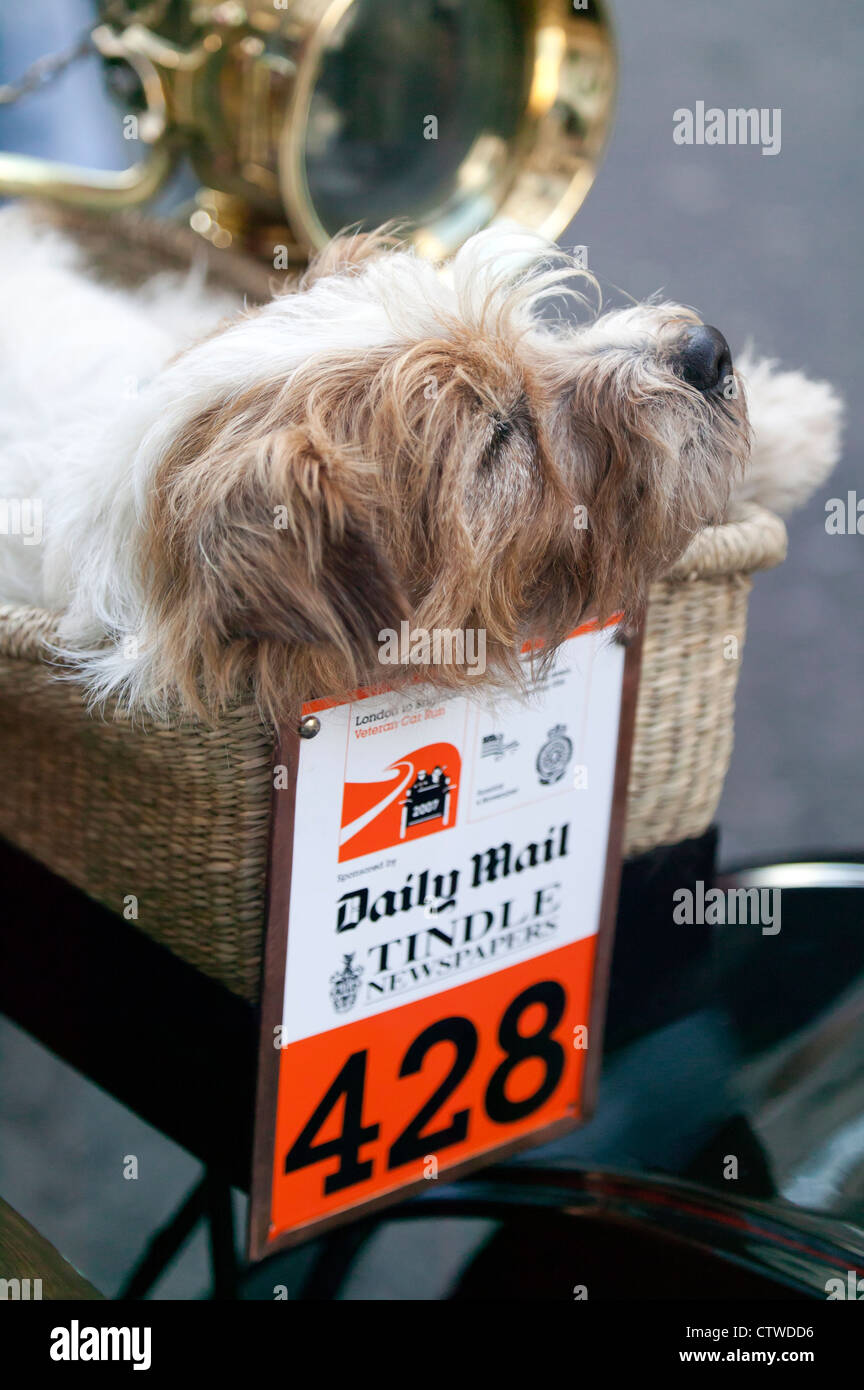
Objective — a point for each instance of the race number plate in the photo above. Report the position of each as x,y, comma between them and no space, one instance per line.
443,880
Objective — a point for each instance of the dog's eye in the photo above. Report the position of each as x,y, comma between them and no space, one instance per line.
501,430
509,429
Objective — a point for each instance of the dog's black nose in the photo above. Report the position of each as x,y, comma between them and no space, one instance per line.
702,357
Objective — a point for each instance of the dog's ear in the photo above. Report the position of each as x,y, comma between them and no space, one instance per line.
272,539
326,578
349,251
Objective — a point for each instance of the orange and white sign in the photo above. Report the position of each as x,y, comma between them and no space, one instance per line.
439,874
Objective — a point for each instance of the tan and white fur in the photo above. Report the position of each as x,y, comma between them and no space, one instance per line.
236,508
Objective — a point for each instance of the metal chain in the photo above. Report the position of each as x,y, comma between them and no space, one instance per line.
45,70
52,65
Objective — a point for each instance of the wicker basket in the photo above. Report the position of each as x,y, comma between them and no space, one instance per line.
168,825
694,640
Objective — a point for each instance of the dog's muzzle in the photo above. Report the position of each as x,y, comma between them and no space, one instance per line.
701,357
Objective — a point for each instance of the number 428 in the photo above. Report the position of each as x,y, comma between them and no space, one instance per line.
414,1143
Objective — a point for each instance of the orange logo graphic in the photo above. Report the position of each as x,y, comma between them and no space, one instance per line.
413,796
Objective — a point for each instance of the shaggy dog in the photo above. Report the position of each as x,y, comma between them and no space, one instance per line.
393,441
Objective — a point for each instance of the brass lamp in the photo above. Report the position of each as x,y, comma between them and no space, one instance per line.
303,116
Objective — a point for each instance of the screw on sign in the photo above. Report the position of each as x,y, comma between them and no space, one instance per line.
449,1032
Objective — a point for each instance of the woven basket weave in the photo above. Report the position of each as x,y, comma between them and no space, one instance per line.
168,825
695,628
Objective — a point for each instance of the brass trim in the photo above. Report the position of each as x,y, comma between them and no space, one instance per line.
104,189
237,100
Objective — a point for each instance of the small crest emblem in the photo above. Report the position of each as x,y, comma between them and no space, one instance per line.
345,984
554,756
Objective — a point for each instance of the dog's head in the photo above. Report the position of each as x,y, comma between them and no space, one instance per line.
397,443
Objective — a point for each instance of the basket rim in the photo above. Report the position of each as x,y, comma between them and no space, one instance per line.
169,242
755,540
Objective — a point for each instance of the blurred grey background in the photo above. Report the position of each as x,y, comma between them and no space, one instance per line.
766,248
